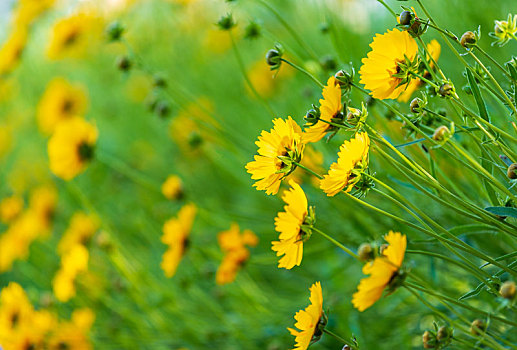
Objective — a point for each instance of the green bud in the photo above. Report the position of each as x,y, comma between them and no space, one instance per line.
405,18
328,63
226,22
508,290
429,340
162,108
312,116
416,105
123,63
441,133
114,31
468,39
478,327
446,89
252,30
365,252
512,171
274,57
444,334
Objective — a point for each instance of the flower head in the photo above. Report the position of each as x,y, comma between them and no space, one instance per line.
73,262
382,272
60,101
11,51
504,31
172,188
352,159
278,149
79,231
330,107
10,208
386,69
175,235
289,224
71,147
310,321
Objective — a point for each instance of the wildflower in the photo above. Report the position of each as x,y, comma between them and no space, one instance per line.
310,321
11,51
279,151
71,147
81,228
504,31
383,272
330,108
72,263
434,50
290,226
172,188
60,101
42,204
175,235
15,309
73,335
28,10
10,208
233,244
387,68
72,36
346,172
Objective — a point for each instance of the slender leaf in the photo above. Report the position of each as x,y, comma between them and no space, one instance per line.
477,95
503,211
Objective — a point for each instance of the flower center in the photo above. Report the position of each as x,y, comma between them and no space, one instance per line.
85,151
67,106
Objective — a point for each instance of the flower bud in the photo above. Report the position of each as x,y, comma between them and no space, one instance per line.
123,63
429,340
382,248
507,290
441,133
252,30
365,252
477,327
415,105
114,31
159,81
405,18
468,39
162,108
273,58
345,79
445,90
226,22
353,116
444,334
512,171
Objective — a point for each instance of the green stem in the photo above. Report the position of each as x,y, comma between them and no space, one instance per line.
304,72
387,7
501,68
339,338
308,170
345,249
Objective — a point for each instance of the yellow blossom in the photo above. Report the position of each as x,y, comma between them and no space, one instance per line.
72,263
71,147
12,49
81,228
352,154
381,271
382,63
308,320
28,10
172,188
10,208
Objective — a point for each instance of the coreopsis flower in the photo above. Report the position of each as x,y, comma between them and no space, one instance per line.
383,272
72,36
387,68
233,243
330,107
73,335
175,235
12,49
28,10
434,50
42,204
504,31
81,228
289,224
172,188
278,152
15,311
60,101
73,262
71,147
346,172
310,321
10,208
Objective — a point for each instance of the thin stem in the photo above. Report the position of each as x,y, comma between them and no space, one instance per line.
308,170
501,68
348,251
387,7
303,71
339,338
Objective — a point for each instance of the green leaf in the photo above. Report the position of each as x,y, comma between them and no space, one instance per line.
477,95
503,211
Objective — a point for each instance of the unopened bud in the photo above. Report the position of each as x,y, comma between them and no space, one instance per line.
468,39
405,18
444,333
383,247
273,58
441,133
445,90
507,290
429,340
115,31
415,105
162,108
365,252
512,171
123,63
477,327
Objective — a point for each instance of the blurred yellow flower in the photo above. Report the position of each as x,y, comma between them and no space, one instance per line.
12,49
175,235
289,224
15,311
73,36
352,157
68,335
81,228
330,106
217,41
172,188
83,318
72,263
313,160
284,140
28,10
382,271
310,320
264,80
71,147
60,101
379,68
5,140
10,208
434,50
42,203
233,244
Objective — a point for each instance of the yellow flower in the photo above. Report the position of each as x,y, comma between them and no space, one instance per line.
352,154
382,271
10,208
330,106
60,101
264,80
42,204
69,336
80,230
5,140
504,31
73,35
71,147
172,188
28,10
83,318
15,311
434,50
288,224
233,244
382,63
284,140
72,263
11,51
175,235
309,320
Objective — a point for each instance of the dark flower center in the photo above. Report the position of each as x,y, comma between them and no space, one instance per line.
67,106
85,151
71,38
